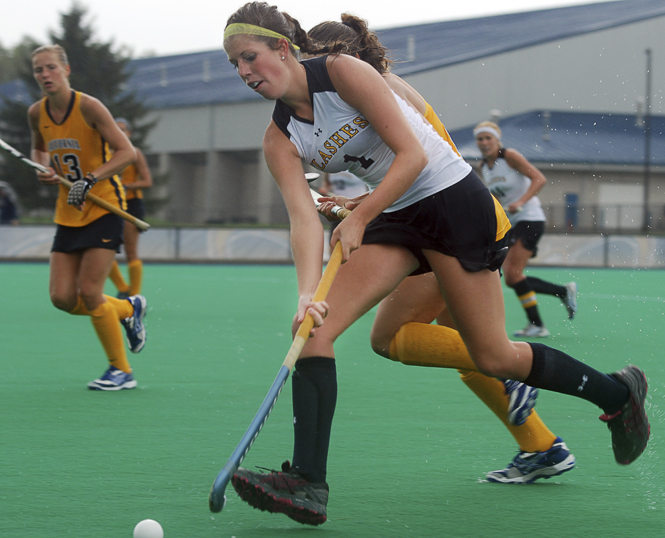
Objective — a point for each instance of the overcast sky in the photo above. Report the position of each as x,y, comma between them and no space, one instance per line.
174,27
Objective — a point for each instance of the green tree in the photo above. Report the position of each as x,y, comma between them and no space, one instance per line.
11,61
98,68
6,65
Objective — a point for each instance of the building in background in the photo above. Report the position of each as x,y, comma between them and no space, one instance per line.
567,85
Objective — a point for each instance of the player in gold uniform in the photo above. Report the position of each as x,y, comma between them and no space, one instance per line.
72,134
135,178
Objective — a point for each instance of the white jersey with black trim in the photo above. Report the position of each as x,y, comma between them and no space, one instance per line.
340,138
508,185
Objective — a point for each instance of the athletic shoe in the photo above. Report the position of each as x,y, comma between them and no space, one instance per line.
133,325
630,425
122,295
532,331
522,400
283,492
570,299
113,379
527,467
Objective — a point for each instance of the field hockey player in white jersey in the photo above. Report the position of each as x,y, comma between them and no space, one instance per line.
515,182
418,300
427,211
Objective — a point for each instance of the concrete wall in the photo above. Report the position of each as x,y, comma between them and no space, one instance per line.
257,245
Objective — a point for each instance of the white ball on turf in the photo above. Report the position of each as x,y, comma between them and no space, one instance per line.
148,528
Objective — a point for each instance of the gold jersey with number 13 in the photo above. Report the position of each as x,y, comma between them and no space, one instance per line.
77,149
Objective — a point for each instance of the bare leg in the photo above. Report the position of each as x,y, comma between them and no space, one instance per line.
371,273
131,239
476,305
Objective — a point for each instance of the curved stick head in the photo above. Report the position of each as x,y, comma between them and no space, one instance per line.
216,500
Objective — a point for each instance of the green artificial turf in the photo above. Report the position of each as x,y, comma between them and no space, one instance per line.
410,446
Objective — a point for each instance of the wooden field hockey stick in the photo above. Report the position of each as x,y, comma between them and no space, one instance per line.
89,196
217,498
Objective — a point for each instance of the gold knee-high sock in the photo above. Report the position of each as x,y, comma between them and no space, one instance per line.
80,309
117,278
135,268
123,307
532,436
420,344
105,321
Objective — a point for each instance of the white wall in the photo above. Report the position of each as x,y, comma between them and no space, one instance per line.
603,71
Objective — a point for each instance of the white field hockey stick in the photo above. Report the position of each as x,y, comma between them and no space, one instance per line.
217,498
92,197
340,212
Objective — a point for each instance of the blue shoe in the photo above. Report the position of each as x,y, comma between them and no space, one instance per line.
133,325
527,467
122,295
522,401
113,379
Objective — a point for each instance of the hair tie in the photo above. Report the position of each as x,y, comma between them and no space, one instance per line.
347,24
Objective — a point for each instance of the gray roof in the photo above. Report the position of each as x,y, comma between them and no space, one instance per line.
206,77
15,91
575,137
446,43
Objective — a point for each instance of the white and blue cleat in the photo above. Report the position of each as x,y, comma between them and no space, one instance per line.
522,399
134,328
113,379
527,467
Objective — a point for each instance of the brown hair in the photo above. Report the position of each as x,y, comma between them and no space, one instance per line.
351,36
267,16
57,49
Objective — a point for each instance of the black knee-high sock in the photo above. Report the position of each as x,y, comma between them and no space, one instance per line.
314,386
556,371
548,288
527,297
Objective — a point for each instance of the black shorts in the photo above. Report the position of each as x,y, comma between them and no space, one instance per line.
529,231
105,232
459,221
136,208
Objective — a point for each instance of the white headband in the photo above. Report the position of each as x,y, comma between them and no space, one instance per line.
487,129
